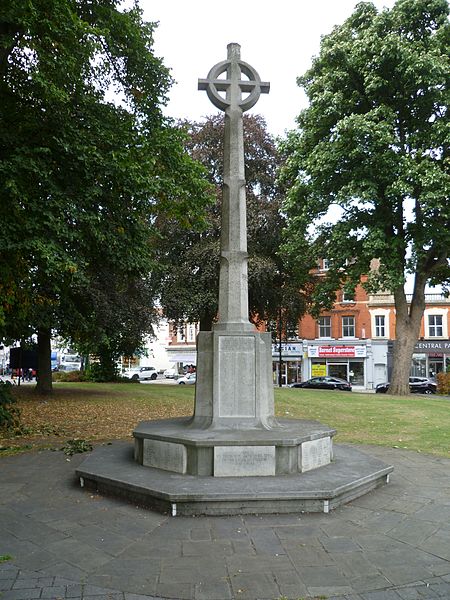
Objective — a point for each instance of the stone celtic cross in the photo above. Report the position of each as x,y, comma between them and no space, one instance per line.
235,454
242,86
233,85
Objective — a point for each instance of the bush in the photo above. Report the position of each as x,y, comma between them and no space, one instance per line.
9,412
443,383
69,376
102,373
95,373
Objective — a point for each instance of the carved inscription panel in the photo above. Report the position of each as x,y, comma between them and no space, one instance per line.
244,461
165,455
315,453
237,386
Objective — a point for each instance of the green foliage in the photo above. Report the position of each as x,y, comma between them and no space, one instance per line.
191,260
443,383
374,142
5,557
76,446
88,163
70,376
371,150
102,371
9,411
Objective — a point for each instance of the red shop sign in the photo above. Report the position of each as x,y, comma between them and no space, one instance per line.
336,351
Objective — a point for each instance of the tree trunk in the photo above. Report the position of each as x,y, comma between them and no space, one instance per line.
44,363
108,366
407,330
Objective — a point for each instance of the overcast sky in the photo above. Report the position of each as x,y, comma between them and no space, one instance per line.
277,38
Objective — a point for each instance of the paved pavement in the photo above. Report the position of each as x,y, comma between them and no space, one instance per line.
392,544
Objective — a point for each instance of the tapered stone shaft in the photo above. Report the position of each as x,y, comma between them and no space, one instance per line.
233,283
234,363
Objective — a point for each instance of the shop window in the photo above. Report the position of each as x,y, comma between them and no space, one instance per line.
380,326
324,324
356,373
348,327
294,371
418,366
338,370
435,326
435,366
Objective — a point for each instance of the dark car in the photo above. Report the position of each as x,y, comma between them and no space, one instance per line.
325,383
417,385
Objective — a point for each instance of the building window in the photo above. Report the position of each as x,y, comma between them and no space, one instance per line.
435,326
181,333
324,324
191,332
348,296
348,327
380,326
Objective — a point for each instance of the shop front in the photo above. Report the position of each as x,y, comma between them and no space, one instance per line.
430,358
287,359
338,360
182,358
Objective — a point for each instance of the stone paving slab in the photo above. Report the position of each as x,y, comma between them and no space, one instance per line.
392,544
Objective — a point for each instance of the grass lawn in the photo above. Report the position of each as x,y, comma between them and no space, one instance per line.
103,412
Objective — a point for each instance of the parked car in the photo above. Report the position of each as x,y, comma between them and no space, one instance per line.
141,373
188,379
170,373
417,385
325,383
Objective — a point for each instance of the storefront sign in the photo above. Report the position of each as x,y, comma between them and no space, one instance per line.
336,351
318,370
190,358
432,346
287,349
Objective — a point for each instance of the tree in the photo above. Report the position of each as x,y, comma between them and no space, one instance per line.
87,162
110,318
374,143
190,280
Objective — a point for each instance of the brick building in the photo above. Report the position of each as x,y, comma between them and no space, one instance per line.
355,341
432,351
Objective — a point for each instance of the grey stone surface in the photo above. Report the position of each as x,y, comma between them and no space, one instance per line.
164,455
240,79
245,400
244,461
315,453
187,448
111,469
376,547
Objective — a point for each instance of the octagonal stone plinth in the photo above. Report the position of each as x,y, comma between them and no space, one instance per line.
112,470
175,445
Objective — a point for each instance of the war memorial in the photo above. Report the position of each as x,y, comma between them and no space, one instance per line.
232,456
